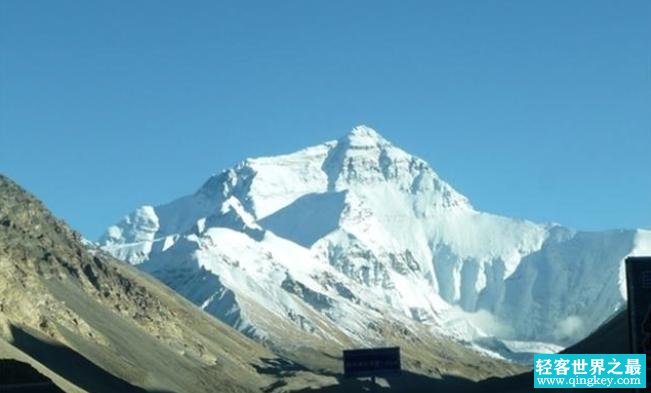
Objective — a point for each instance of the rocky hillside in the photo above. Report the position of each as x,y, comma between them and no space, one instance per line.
92,323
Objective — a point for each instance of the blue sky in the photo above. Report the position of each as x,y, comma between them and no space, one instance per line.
532,109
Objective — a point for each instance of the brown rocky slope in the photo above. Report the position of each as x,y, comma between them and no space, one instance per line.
92,323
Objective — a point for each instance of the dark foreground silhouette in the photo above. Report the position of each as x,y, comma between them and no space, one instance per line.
17,376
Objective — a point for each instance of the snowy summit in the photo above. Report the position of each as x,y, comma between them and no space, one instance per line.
355,239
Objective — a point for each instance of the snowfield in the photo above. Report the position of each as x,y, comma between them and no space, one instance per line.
337,239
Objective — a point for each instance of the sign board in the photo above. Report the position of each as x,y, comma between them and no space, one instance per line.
371,362
638,283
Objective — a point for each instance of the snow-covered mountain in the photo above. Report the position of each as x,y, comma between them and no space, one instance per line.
355,240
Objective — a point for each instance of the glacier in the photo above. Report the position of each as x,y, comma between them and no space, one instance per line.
355,238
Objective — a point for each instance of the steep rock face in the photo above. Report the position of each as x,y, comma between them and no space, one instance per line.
368,232
582,266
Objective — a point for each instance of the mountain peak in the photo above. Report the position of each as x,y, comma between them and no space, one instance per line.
367,231
364,136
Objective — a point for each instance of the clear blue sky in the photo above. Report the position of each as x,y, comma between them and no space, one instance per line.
534,109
